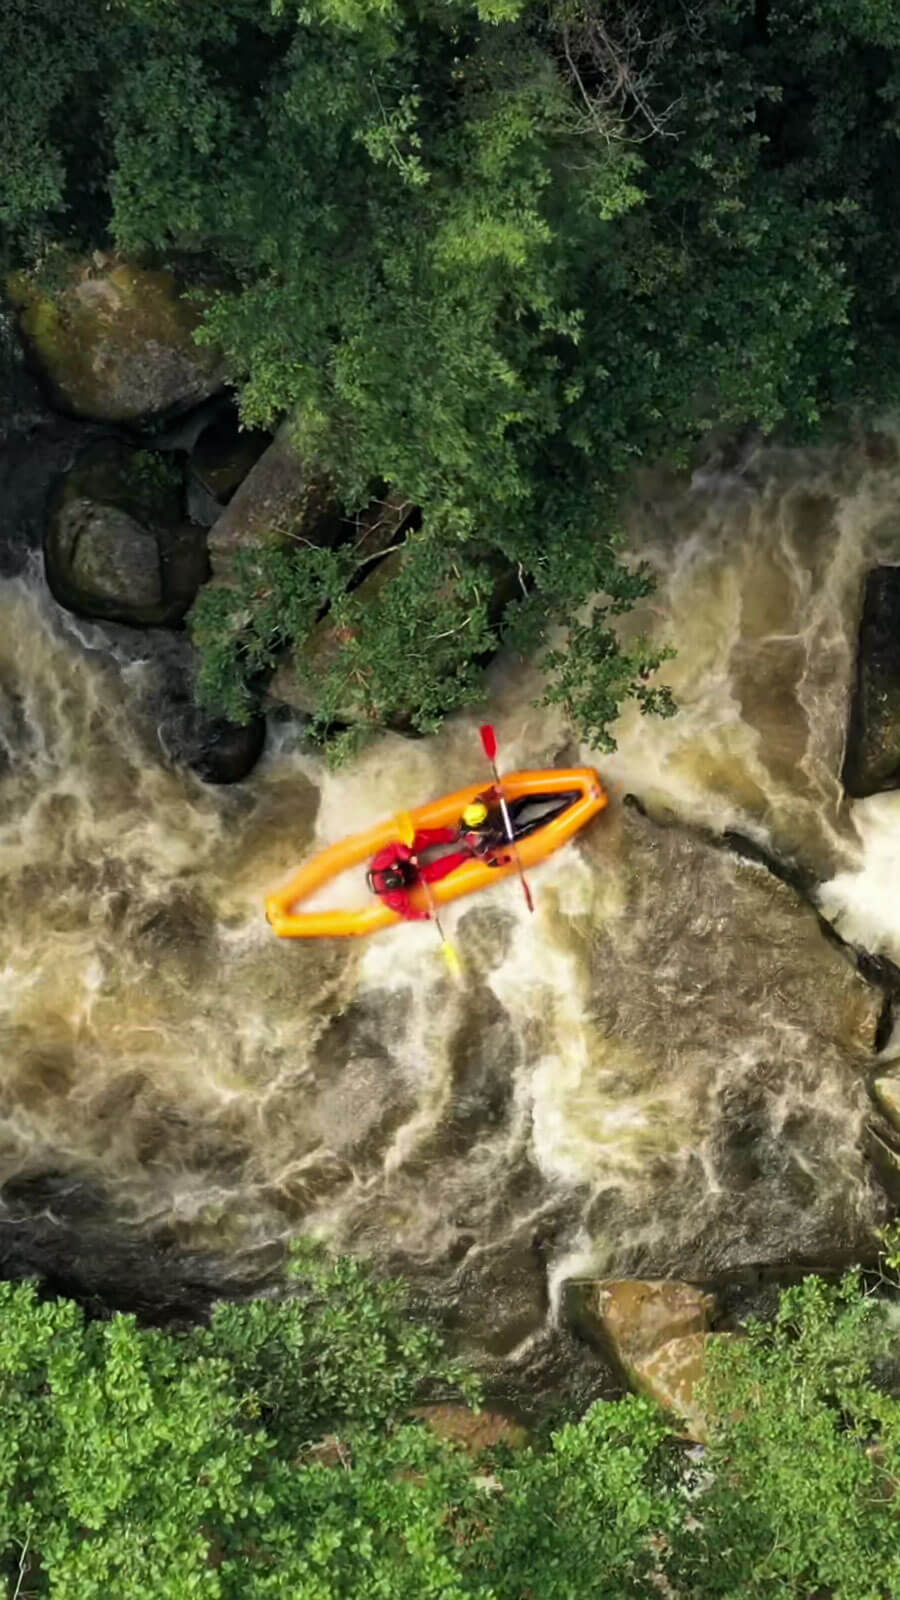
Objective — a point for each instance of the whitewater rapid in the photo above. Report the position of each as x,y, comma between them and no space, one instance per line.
665,1069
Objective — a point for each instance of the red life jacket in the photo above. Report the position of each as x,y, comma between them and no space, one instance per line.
391,872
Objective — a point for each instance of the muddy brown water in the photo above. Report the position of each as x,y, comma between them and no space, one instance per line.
665,1069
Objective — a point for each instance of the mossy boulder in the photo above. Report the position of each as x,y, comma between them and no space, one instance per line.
282,498
298,681
299,678
117,545
116,342
110,557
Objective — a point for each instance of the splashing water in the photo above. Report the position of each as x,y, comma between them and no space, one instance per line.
663,1070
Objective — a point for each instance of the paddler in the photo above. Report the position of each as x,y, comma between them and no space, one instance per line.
481,830
397,868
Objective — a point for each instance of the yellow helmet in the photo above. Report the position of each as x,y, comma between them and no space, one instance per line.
475,814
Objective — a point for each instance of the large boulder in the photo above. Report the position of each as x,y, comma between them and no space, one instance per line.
117,545
298,681
872,760
672,1375
116,343
657,1332
629,1318
111,558
281,499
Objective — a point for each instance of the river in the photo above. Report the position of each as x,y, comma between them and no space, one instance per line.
665,1069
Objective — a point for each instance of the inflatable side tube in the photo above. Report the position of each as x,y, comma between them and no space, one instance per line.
290,923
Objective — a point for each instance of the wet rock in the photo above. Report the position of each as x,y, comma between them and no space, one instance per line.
887,1095
117,545
221,458
501,1298
629,1318
218,751
227,753
282,498
872,761
116,343
225,454
476,1432
657,1333
885,1159
110,557
671,1374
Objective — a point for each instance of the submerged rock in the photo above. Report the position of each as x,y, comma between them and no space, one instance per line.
116,343
217,750
872,761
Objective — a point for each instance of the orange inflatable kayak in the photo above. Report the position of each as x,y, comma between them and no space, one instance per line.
579,796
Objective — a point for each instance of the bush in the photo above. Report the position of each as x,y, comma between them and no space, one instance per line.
271,1455
490,254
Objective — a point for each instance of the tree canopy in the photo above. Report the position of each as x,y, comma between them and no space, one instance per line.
491,255
273,1454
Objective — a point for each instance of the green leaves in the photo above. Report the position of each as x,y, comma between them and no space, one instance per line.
802,1457
271,1454
489,254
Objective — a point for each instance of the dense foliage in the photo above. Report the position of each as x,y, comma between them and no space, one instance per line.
489,252
272,1454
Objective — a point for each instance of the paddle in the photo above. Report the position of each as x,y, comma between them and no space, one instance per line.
407,831
489,741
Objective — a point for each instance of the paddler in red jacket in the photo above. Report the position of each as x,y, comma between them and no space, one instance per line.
395,870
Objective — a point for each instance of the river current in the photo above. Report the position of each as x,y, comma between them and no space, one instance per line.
665,1069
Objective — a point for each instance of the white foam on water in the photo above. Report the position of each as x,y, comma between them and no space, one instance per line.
864,903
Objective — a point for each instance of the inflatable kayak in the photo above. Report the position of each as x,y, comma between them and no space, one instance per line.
549,808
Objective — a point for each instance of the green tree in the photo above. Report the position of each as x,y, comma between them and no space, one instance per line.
799,1482
271,1454
491,255
138,1463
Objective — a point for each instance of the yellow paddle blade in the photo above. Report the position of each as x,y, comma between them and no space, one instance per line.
406,827
451,956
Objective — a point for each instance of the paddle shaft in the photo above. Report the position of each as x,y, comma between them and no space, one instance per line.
507,823
432,903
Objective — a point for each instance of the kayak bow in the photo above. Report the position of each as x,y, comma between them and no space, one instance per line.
582,782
